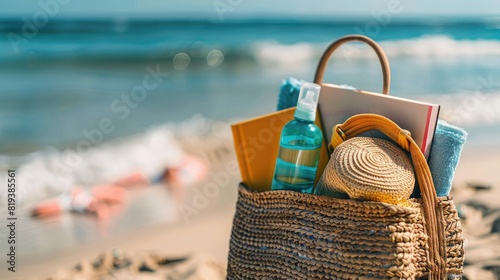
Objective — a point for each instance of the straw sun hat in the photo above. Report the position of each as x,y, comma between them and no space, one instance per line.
368,169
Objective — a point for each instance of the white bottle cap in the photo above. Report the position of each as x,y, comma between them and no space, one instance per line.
308,101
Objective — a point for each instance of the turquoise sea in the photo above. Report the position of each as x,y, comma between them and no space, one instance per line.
60,81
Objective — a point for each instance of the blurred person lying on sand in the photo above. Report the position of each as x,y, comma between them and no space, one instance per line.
99,197
152,158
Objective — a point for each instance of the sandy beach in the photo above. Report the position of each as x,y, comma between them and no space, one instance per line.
476,192
204,237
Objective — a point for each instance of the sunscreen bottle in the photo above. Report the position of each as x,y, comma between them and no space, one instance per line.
300,144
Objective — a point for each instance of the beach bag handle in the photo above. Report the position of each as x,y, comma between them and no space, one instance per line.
435,227
384,62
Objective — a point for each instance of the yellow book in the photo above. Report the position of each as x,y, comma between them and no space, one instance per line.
256,142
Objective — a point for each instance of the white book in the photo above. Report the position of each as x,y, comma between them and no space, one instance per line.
338,103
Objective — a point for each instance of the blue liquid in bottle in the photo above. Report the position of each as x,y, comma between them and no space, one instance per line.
300,143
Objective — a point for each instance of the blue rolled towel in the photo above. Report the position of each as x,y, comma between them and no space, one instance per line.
289,93
447,146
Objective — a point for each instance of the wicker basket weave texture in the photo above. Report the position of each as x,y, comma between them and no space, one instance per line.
285,234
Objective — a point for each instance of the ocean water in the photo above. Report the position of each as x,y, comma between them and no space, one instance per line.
59,83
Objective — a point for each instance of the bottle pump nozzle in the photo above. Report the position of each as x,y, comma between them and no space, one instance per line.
308,101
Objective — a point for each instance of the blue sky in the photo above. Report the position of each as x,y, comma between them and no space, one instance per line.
248,8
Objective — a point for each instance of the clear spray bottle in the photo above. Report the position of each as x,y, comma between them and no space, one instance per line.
300,144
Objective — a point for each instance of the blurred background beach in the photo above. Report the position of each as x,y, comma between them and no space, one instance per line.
65,68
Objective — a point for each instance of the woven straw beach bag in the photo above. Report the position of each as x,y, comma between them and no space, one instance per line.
292,235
